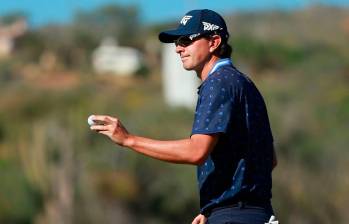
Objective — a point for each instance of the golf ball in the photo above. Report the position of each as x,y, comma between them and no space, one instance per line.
90,120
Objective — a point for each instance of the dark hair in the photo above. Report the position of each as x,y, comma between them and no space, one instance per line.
224,50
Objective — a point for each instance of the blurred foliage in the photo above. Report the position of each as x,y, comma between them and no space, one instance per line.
12,17
73,44
30,46
20,202
267,55
111,20
6,71
53,169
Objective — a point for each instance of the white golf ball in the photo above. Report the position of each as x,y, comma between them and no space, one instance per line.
90,120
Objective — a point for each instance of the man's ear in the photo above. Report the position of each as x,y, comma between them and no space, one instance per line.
215,42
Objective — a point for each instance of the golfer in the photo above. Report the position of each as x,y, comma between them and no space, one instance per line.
231,141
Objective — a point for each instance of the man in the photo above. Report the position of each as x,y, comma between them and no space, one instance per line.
231,141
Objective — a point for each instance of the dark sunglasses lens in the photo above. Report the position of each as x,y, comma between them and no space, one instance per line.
183,41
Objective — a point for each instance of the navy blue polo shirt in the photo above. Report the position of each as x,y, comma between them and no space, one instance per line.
240,165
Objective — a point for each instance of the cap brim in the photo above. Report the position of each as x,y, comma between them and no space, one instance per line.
170,36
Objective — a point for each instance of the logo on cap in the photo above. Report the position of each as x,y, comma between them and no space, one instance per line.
210,26
191,37
185,19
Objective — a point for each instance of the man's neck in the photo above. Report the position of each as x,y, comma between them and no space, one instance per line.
204,72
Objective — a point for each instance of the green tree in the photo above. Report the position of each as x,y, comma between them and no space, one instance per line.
111,20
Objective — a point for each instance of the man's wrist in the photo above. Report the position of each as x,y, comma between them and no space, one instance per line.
129,141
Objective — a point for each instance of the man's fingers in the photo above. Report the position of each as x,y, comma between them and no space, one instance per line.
99,127
104,118
195,221
107,133
110,127
200,219
112,118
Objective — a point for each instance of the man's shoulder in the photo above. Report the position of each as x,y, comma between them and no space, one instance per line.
228,76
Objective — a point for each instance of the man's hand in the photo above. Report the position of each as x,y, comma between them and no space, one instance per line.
193,150
200,219
111,127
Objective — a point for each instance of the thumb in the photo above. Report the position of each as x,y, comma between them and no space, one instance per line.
196,220
203,220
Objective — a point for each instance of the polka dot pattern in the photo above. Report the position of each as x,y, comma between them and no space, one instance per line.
230,104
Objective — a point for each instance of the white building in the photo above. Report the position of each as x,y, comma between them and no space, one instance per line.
7,35
179,85
111,58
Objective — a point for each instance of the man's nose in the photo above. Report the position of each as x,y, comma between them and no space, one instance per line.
179,49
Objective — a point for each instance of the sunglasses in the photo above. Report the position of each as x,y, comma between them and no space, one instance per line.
185,41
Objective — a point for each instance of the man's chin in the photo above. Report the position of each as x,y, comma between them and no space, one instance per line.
188,68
